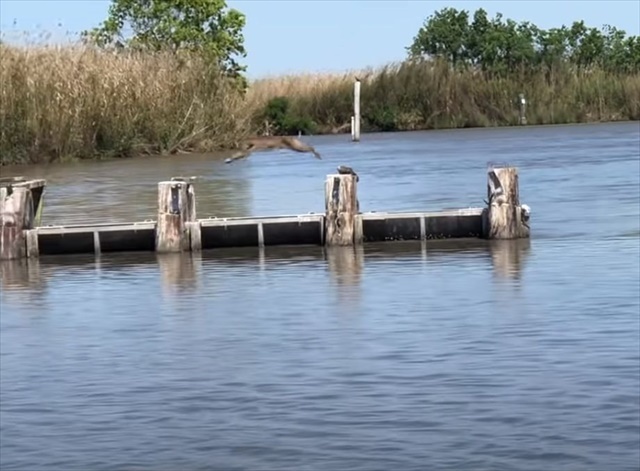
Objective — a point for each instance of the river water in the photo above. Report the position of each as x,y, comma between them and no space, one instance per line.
514,356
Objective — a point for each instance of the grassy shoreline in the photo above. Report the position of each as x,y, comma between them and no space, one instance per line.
73,102
421,96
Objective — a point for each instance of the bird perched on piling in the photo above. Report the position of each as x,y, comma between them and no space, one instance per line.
344,170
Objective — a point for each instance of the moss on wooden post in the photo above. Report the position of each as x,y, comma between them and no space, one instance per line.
504,217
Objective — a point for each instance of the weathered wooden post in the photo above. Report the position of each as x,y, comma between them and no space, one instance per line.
176,216
523,109
342,224
504,217
19,204
16,216
356,111
193,225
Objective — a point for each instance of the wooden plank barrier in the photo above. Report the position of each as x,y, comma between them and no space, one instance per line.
177,228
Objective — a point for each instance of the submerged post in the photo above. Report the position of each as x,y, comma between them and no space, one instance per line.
341,210
355,133
523,109
20,209
504,217
176,216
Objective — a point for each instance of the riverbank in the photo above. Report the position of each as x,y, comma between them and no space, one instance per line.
72,102
422,96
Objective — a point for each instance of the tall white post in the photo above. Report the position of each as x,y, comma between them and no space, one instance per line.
356,111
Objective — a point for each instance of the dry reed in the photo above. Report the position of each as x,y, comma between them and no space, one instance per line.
427,95
72,101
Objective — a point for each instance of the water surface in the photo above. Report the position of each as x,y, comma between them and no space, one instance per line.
459,355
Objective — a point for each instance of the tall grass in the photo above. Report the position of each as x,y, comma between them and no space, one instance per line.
431,95
72,101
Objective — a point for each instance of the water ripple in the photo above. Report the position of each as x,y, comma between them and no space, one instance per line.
465,355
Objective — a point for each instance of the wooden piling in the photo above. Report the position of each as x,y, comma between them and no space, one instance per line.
20,205
195,236
193,225
176,215
341,210
356,111
504,218
16,215
31,241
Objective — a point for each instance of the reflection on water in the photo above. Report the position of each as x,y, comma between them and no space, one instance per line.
21,281
20,274
345,264
509,256
456,354
180,272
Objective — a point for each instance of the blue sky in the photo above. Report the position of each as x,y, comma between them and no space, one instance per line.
288,36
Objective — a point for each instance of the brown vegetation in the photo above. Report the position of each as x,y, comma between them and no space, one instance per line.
73,102
76,102
433,95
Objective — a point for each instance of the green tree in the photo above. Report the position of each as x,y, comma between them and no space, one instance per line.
285,120
203,26
632,48
504,47
619,50
479,34
553,46
443,34
587,45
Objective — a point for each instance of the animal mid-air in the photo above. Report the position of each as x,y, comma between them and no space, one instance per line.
271,142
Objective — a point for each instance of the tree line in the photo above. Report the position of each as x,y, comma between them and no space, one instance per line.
501,46
496,45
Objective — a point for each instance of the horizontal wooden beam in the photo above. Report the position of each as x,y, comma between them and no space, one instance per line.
104,227
374,215
210,222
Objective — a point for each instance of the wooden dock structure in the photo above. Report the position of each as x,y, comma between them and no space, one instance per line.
177,228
